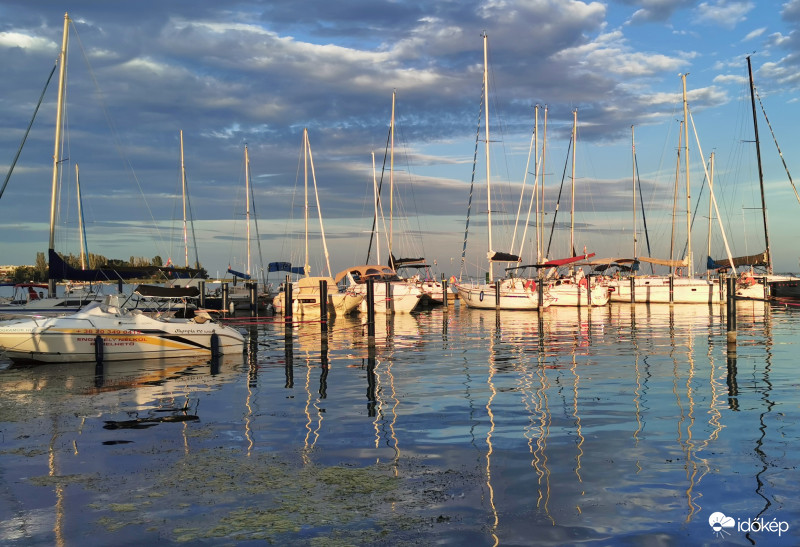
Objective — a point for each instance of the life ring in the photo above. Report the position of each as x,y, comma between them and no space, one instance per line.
583,282
747,279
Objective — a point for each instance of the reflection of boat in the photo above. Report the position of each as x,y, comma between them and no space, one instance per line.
140,374
109,331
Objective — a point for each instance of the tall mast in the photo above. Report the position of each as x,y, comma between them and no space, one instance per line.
306,267
319,214
62,77
183,189
247,201
710,219
675,197
391,186
536,182
760,172
541,189
633,163
81,229
690,272
572,205
486,139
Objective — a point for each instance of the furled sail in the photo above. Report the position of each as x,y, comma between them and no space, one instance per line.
498,256
759,259
278,267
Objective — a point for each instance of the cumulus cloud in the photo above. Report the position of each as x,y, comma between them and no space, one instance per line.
725,13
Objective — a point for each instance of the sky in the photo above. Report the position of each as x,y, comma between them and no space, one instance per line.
231,75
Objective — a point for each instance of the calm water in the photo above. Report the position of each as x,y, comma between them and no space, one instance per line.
620,426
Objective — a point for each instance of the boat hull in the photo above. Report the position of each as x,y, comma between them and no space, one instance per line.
576,294
657,290
513,296
405,297
99,336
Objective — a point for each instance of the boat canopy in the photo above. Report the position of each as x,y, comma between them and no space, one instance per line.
360,274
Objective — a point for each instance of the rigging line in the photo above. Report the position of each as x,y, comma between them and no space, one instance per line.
644,218
472,183
558,202
694,213
27,131
775,140
380,185
191,223
115,137
252,199
411,185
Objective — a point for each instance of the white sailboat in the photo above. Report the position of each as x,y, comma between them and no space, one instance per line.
239,294
432,289
306,292
575,289
673,288
509,293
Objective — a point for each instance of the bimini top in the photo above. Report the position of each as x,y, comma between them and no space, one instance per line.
360,274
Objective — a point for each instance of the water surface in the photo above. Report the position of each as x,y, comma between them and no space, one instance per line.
624,425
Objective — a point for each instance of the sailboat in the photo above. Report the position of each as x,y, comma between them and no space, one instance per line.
432,290
509,293
393,294
781,286
239,295
574,289
307,292
680,286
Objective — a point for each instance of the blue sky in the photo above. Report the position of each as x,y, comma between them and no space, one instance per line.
255,73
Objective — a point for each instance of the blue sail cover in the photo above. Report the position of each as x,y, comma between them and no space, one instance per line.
285,267
59,270
240,275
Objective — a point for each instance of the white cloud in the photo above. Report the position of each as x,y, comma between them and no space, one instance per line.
754,34
26,42
725,13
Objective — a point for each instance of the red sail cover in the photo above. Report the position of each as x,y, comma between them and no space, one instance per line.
565,261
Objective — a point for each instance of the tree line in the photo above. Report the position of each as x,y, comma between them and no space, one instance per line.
38,273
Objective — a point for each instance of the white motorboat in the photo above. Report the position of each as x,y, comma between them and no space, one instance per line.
113,331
